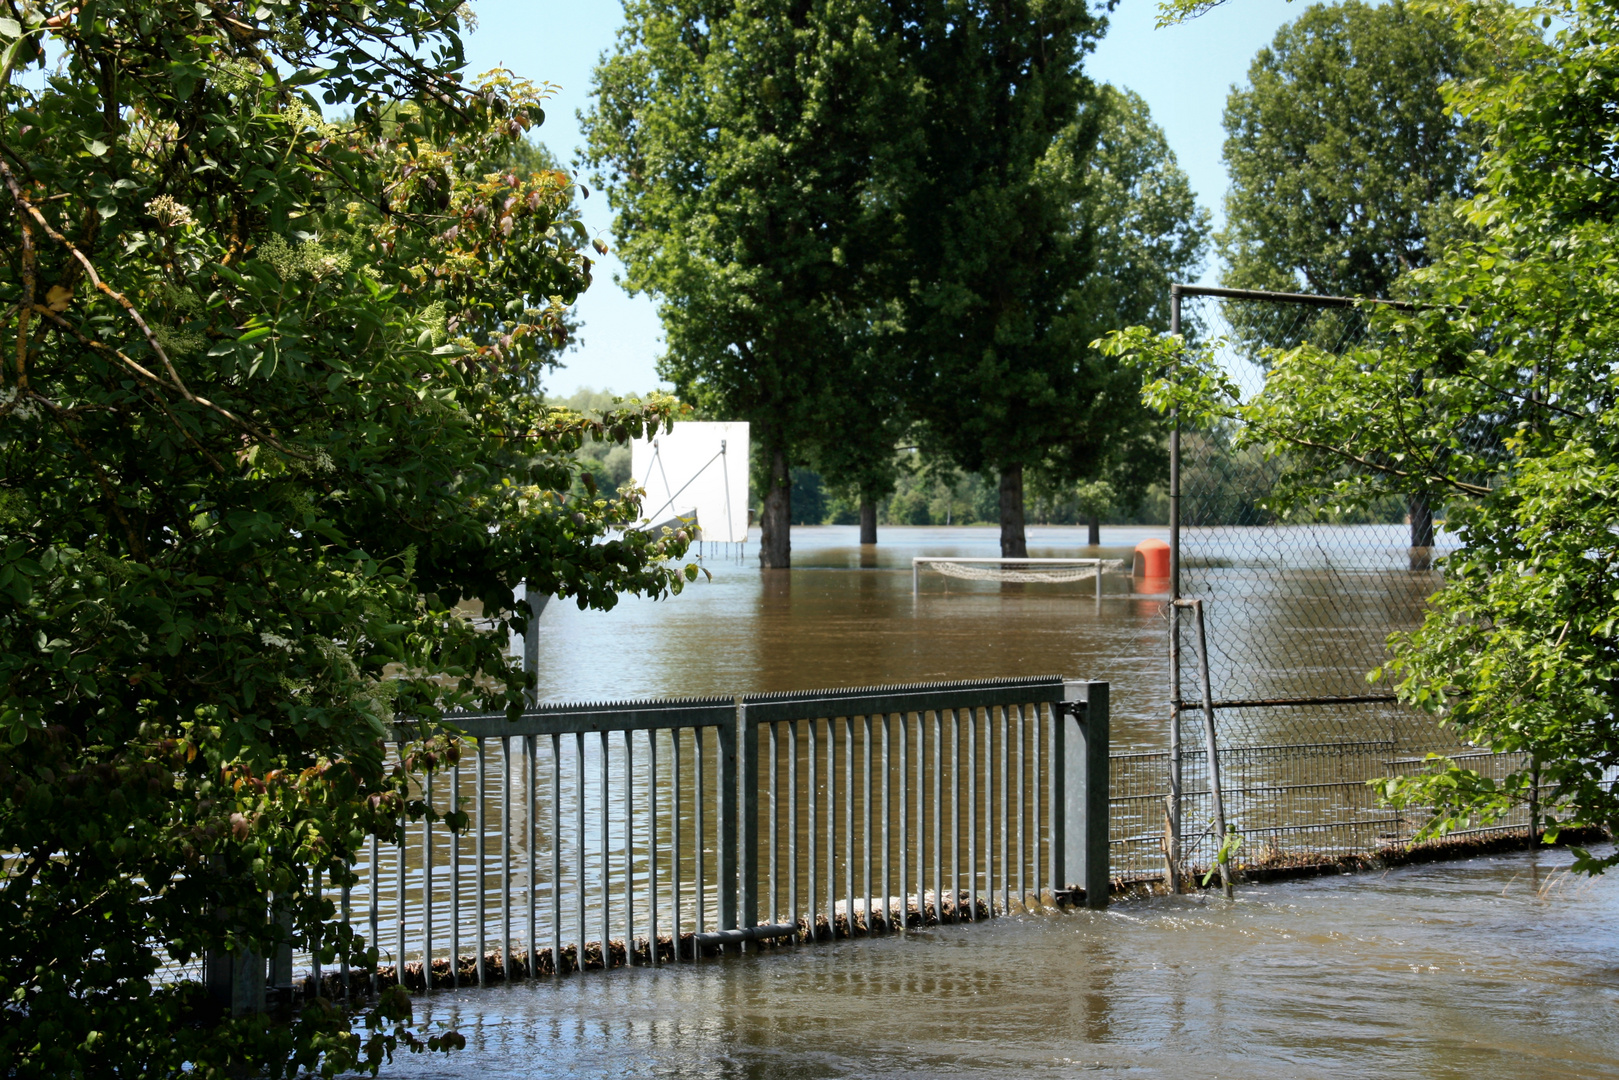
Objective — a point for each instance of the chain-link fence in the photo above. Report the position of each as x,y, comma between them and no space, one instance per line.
1298,603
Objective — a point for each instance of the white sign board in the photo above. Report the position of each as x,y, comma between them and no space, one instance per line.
698,470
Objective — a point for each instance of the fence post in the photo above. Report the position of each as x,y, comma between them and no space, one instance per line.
747,852
1085,760
1172,854
729,844
280,978
235,979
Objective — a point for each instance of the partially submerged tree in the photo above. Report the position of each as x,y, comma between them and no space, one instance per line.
266,415
993,255
736,145
1018,276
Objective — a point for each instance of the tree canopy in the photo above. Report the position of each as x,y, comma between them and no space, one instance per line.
737,145
1346,163
266,416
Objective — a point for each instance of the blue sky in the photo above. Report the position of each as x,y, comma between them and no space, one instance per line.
1184,72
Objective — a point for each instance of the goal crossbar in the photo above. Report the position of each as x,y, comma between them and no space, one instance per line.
920,561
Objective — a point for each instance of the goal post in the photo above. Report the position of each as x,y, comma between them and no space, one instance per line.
1008,569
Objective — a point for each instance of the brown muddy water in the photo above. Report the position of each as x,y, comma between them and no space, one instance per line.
1502,966
845,616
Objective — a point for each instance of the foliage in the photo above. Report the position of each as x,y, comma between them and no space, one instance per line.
1041,223
265,418
1501,390
739,143
1346,164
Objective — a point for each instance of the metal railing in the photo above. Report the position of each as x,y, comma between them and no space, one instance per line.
651,832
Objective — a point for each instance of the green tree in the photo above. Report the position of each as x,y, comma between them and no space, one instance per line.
1520,649
1346,164
990,245
1137,206
266,416
736,142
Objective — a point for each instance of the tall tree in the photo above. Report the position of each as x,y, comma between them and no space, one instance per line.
1137,207
735,141
266,415
1346,163
994,376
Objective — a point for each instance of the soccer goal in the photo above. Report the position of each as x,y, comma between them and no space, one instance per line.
1022,570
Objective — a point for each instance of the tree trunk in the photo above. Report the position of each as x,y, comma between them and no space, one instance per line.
1014,544
776,518
1093,531
1421,512
868,520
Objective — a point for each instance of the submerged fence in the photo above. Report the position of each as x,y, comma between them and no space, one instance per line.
663,831
1298,609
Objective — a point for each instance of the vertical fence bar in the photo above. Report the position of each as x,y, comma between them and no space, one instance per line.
399,887
1022,836
1058,802
792,825
702,877
990,808
921,815
652,847
775,826
314,960
372,896
866,838
955,814
674,761
343,952
531,842
904,821
506,857
455,876
478,892
629,850
1006,813
888,907
1039,819
938,816
813,825
972,814
848,825
731,830
831,825
606,864
556,854
581,843
427,889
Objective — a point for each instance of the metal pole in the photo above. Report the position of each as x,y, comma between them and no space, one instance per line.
1212,749
1172,857
506,857
478,892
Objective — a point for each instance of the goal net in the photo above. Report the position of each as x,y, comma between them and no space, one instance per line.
1053,571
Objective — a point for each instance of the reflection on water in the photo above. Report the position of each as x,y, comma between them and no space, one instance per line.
1503,967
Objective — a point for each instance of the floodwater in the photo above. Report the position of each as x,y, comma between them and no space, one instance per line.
1502,966
846,616
1301,610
